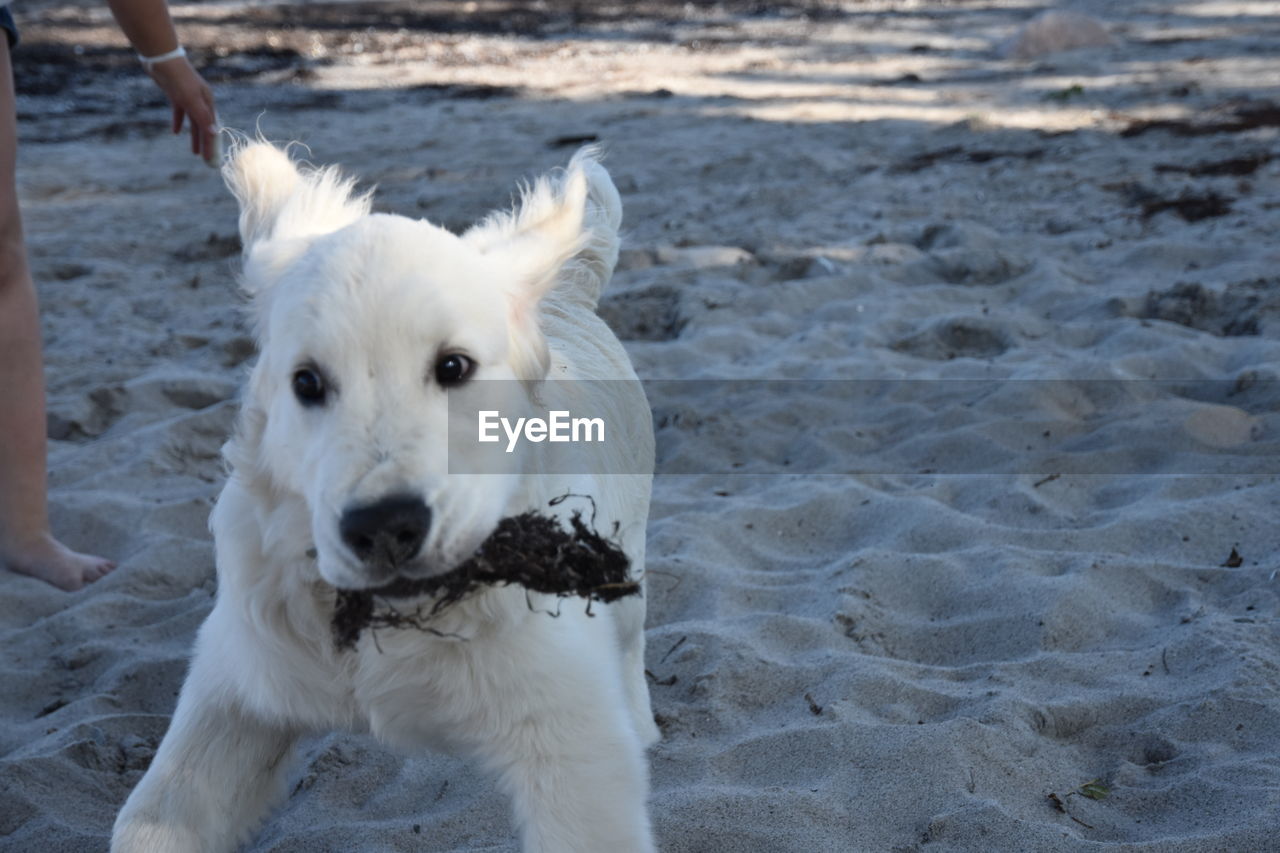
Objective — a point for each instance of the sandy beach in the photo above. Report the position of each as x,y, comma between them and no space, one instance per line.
1001,577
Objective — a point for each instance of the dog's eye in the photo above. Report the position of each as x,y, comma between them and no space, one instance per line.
453,369
308,387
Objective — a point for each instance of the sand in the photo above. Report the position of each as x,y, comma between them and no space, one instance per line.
894,613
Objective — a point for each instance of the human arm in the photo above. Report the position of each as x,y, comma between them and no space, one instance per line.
149,28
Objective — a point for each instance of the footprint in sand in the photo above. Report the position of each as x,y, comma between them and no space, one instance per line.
957,337
86,417
650,314
966,253
1241,308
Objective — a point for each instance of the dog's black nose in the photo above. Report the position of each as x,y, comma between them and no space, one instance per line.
388,532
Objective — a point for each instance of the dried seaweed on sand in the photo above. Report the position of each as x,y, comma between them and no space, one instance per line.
532,550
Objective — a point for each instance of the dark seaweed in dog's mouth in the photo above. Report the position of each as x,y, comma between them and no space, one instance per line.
532,550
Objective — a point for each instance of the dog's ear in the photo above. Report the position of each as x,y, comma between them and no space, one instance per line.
562,232
262,178
280,203
573,218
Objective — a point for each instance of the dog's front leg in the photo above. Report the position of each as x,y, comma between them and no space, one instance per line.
578,789
215,775
567,753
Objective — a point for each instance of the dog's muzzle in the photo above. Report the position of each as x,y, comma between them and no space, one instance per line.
387,534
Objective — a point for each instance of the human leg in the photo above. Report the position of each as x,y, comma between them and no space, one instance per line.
26,543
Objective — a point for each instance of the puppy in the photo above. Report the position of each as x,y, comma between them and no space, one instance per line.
340,478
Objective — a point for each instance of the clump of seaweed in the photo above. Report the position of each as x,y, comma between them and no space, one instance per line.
532,550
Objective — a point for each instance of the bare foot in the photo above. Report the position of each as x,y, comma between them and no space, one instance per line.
55,563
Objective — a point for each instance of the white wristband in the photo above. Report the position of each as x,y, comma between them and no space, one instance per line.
148,62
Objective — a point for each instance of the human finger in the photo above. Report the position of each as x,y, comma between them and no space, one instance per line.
214,139
205,120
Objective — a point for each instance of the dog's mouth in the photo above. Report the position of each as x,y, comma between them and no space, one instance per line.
409,579
403,587
531,550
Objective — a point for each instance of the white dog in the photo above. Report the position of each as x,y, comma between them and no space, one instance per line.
340,479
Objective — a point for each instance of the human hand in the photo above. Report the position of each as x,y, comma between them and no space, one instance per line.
192,101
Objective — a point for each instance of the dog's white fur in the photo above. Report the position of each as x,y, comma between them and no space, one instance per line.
558,708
